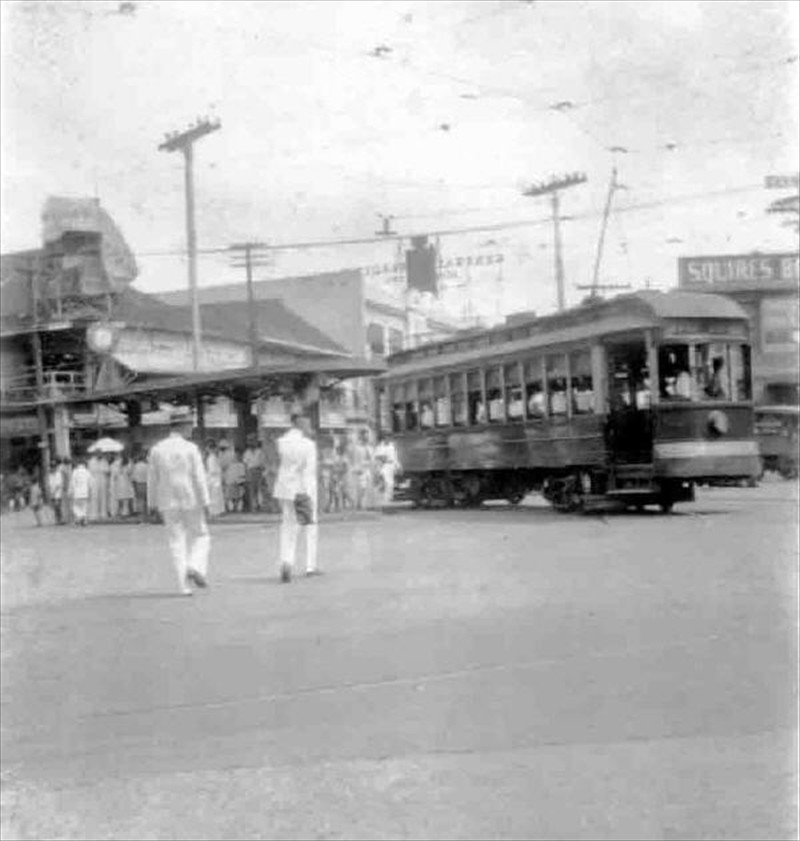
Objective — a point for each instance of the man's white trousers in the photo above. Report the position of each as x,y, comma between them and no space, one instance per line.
289,533
189,541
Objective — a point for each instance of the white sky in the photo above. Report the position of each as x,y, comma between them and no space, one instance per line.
318,137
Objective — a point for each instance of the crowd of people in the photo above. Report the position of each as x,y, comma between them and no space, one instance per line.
354,473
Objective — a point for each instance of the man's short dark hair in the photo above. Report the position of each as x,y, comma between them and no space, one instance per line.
295,417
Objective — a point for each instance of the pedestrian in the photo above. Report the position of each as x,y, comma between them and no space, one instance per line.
36,499
327,462
123,488
388,465
98,502
55,490
139,481
253,459
271,461
296,489
66,481
234,478
177,488
214,479
81,491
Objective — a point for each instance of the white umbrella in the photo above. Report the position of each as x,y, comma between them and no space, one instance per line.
106,445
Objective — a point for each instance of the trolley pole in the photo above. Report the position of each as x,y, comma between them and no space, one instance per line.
184,141
552,187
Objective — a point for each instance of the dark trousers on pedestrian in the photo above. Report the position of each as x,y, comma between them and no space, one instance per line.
140,498
252,489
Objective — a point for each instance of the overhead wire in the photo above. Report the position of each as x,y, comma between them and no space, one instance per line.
456,231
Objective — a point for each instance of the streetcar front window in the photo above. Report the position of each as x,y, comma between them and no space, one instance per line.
704,371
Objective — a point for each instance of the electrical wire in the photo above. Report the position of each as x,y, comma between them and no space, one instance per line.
497,226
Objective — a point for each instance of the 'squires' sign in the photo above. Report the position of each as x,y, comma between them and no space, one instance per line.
738,269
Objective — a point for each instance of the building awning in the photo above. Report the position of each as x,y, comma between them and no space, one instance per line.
169,388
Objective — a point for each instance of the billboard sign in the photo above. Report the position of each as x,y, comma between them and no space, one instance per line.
738,269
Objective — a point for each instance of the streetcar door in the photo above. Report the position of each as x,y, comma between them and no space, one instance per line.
629,431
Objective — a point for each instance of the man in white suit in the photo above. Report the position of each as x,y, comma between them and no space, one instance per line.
297,473
176,486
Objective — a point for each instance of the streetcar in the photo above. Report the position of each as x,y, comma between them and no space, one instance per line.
777,435
625,402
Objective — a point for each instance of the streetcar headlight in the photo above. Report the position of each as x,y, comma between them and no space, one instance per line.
718,423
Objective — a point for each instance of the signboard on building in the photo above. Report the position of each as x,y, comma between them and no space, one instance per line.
738,269
159,352
782,182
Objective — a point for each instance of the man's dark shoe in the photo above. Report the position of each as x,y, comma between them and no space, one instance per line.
312,573
286,573
196,578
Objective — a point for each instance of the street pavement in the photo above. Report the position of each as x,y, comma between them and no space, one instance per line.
501,673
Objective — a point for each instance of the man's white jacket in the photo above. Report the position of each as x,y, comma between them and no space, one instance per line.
297,472
177,478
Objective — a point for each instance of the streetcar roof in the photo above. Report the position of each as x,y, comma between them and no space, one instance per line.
634,311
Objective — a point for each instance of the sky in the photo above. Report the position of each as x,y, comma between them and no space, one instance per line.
437,113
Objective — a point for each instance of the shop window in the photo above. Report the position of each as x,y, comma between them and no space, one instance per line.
441,402
513,384
557,383
477,407
458,399
395,340
426,404
375,339
580,370
535,395
494,395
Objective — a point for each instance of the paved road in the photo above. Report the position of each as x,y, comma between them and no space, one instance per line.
493,674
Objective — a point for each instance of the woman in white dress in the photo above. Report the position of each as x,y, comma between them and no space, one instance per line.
214,480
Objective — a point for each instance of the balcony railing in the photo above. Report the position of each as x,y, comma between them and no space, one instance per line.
21,387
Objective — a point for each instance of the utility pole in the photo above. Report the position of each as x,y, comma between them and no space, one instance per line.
552,187
247,249
184,141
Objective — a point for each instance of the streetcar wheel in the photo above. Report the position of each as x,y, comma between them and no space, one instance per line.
666,505
515,498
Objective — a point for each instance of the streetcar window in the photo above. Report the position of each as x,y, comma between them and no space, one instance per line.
740,371
412,413
426,404
712,371
580,369
458,399
477,409
398,408
494,395
676,382
513,383
441,402
534,389
557,383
